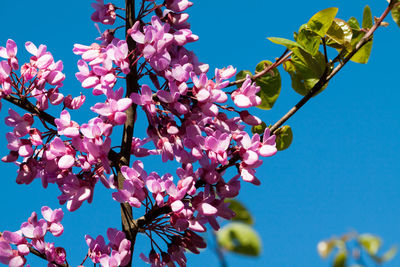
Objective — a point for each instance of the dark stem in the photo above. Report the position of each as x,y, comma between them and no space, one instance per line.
132,86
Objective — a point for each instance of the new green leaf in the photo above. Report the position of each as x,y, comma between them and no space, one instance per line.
340,35
285,42
321,22
309,40
367,18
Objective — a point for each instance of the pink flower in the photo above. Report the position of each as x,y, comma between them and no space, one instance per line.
21,124
74,103
114,108
268,146
145,99
53,217
10,52
105,13
245,96
178,5
9,256
65,126
217,146
97,247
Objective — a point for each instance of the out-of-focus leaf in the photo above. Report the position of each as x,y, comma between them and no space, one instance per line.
396,13
259,129
241,75
367,21
285,42
239,238
370,243
320,22
270,84
340,259
284,138
242,214
309,40
340,35
325,248
386,257
389,254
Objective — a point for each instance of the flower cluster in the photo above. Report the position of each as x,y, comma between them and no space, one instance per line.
116,253
188,121
31,236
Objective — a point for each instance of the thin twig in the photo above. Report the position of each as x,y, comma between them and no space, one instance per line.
278,62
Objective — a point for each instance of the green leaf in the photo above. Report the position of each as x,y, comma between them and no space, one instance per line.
367,21
305,70
239,238
321,22
242,214
309,40
270,84
259,129
396,13
241,75
340,35
362,56
354,24
340,259
285,42
370,243
284,137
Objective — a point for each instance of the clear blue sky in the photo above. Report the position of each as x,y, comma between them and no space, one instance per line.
342,172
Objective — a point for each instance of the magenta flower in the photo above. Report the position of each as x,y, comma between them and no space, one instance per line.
105,13
10,52
245,96
145,99
178,5
74,103
268,146
216,147
114,108
53,218
9,256
97,247
65,126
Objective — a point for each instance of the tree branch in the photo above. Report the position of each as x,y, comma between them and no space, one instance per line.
325,79
132,86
